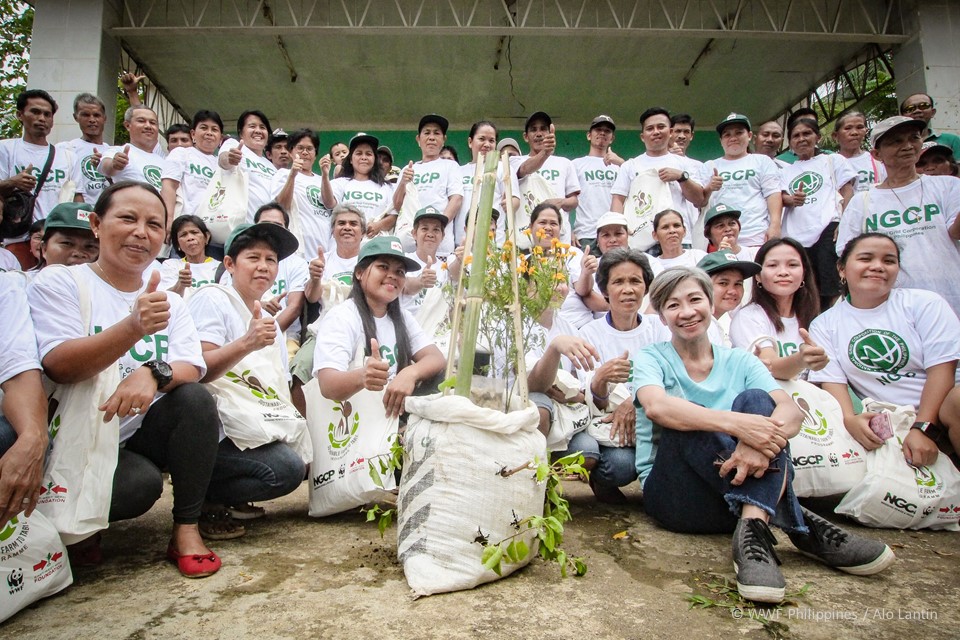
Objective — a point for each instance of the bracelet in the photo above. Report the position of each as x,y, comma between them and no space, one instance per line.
596,397
930,429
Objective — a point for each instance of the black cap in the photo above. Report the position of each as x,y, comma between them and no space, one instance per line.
538,115
602,119
433,118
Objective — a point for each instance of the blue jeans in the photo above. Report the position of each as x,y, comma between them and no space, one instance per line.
616,466
685,493
254,475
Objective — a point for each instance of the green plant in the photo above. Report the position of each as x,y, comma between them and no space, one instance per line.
548,527
723,594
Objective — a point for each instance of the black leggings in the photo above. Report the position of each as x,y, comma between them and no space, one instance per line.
179,433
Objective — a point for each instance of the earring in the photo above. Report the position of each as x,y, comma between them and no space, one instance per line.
802,283
759,285
843,281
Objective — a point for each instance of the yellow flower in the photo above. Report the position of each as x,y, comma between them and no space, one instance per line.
559,276
443,266
468,260
554,242
537,250
541,234
507,246
526,232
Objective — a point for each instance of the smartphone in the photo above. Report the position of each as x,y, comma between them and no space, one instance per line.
880,424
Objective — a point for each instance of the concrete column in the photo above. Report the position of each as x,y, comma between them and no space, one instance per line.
71,53
930,62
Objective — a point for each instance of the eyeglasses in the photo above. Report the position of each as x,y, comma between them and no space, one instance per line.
300,149
920,106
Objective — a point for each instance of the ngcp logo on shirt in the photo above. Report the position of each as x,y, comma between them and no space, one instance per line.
878,351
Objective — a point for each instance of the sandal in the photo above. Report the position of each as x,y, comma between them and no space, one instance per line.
86,553
246,511
194,565
217,524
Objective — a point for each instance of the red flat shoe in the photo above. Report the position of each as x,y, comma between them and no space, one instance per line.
194,565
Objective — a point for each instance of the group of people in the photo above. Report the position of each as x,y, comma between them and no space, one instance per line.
811,264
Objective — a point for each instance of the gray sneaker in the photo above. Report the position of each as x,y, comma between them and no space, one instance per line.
841,549
756,563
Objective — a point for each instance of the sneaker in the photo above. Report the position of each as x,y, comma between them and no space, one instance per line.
841,549
756,563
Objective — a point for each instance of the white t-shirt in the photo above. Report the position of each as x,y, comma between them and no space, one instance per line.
884,353
370,198
8,261
870,172
340,335
747,183
596,180
193,169
200,274
308,201
689,258
143,166
917,217
218,322
16,154
610,343
437,181
55,308
467,172
18,344
821,177
90,181
751,322
412,303
630,169
260,172
337,268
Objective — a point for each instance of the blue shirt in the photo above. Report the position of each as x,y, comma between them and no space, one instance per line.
734,371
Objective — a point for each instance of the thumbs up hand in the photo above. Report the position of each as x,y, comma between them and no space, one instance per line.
235,155
375,369
799,196
325,163
297,165
185,278
130,81
550,141
151,311
609,157
262,331
25,180
121,159
428,276
96,157
273,305
317,264
407,174
716,182
588,263
614,371
814,356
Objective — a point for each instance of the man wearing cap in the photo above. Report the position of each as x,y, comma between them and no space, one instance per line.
67,238
437,180
750,182
136,160
919,212
540,135
677,171
919,106
428,231
596,171
937,160
390,172
276,150
728,273
90,114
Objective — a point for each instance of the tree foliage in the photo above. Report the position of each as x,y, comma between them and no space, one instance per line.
16,26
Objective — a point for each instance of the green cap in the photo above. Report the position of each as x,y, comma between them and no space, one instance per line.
387,246
286,242
69,215
716,211
430,212
734,118
723,260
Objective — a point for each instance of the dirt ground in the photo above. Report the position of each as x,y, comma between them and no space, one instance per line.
296,577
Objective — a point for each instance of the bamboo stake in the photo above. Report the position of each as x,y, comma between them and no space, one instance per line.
461,280
514,262
478,272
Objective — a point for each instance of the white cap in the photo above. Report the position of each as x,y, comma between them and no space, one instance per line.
611,217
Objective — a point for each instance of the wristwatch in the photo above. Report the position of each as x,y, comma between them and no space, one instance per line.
161,372
683,177
930,429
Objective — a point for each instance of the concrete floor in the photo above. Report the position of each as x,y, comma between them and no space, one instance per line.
295,577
